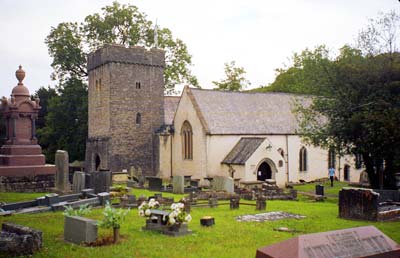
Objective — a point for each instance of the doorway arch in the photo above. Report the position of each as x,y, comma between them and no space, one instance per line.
346,173
266,170
97,162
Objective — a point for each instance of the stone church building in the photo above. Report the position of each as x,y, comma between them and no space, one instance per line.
202,133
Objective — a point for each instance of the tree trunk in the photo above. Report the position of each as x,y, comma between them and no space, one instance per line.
390,180
369,167
116,234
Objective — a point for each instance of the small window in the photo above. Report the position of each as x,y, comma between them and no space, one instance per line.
137,85
303,159
138,118
280,163
281,152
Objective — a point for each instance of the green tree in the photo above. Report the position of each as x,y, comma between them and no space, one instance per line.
44,94
361,104
69,43
235,80
305,75
66,121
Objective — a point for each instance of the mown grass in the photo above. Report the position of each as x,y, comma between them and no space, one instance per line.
18,197
228,238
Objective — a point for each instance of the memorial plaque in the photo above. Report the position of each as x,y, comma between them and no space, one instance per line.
347,243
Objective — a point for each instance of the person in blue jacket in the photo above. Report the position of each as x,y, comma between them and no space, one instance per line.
331,172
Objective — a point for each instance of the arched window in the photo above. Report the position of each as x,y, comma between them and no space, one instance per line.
138,118
331,159
187,140
359,161
303,159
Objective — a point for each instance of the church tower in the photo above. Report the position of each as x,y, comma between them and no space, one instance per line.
126,108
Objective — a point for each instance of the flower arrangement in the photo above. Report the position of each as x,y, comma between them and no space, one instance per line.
145,207
178,215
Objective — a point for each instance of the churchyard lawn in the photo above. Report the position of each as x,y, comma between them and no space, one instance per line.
228,238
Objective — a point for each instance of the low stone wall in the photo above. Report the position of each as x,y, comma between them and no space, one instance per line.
39,183
368,204
388,195
19,240
356,203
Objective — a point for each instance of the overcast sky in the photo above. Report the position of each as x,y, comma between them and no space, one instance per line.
259,35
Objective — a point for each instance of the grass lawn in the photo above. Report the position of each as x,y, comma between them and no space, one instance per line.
228,238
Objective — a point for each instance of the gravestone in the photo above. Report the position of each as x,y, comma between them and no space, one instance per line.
358,203
51,199
104,198
155,183
261,203
141,177
364,179
187,205
132,172
79,230
131,199
350,243
178,184
222,183
62,171
234,202
78,182
319,190
213,202
141,199
99,181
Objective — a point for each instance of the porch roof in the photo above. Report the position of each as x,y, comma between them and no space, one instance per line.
243,150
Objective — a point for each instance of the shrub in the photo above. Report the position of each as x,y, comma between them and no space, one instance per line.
112,217
83,210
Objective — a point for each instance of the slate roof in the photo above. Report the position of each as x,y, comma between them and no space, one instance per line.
242,151
170,105
224,112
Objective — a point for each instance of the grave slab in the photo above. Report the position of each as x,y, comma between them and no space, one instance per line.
350,243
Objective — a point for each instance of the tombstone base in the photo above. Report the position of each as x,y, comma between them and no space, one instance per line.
27,178
174,230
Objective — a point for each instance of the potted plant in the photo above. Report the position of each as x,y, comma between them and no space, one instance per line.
113,219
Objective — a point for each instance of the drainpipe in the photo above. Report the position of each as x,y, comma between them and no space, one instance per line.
171,153
287,159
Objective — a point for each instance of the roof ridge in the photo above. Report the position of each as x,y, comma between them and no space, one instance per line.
251,92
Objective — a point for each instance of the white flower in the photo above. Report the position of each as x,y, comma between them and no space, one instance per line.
188,218
141,213
171,220
147,212
181,205
173,206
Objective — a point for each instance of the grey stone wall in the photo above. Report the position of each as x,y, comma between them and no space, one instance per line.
97,146
120,69
40,183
